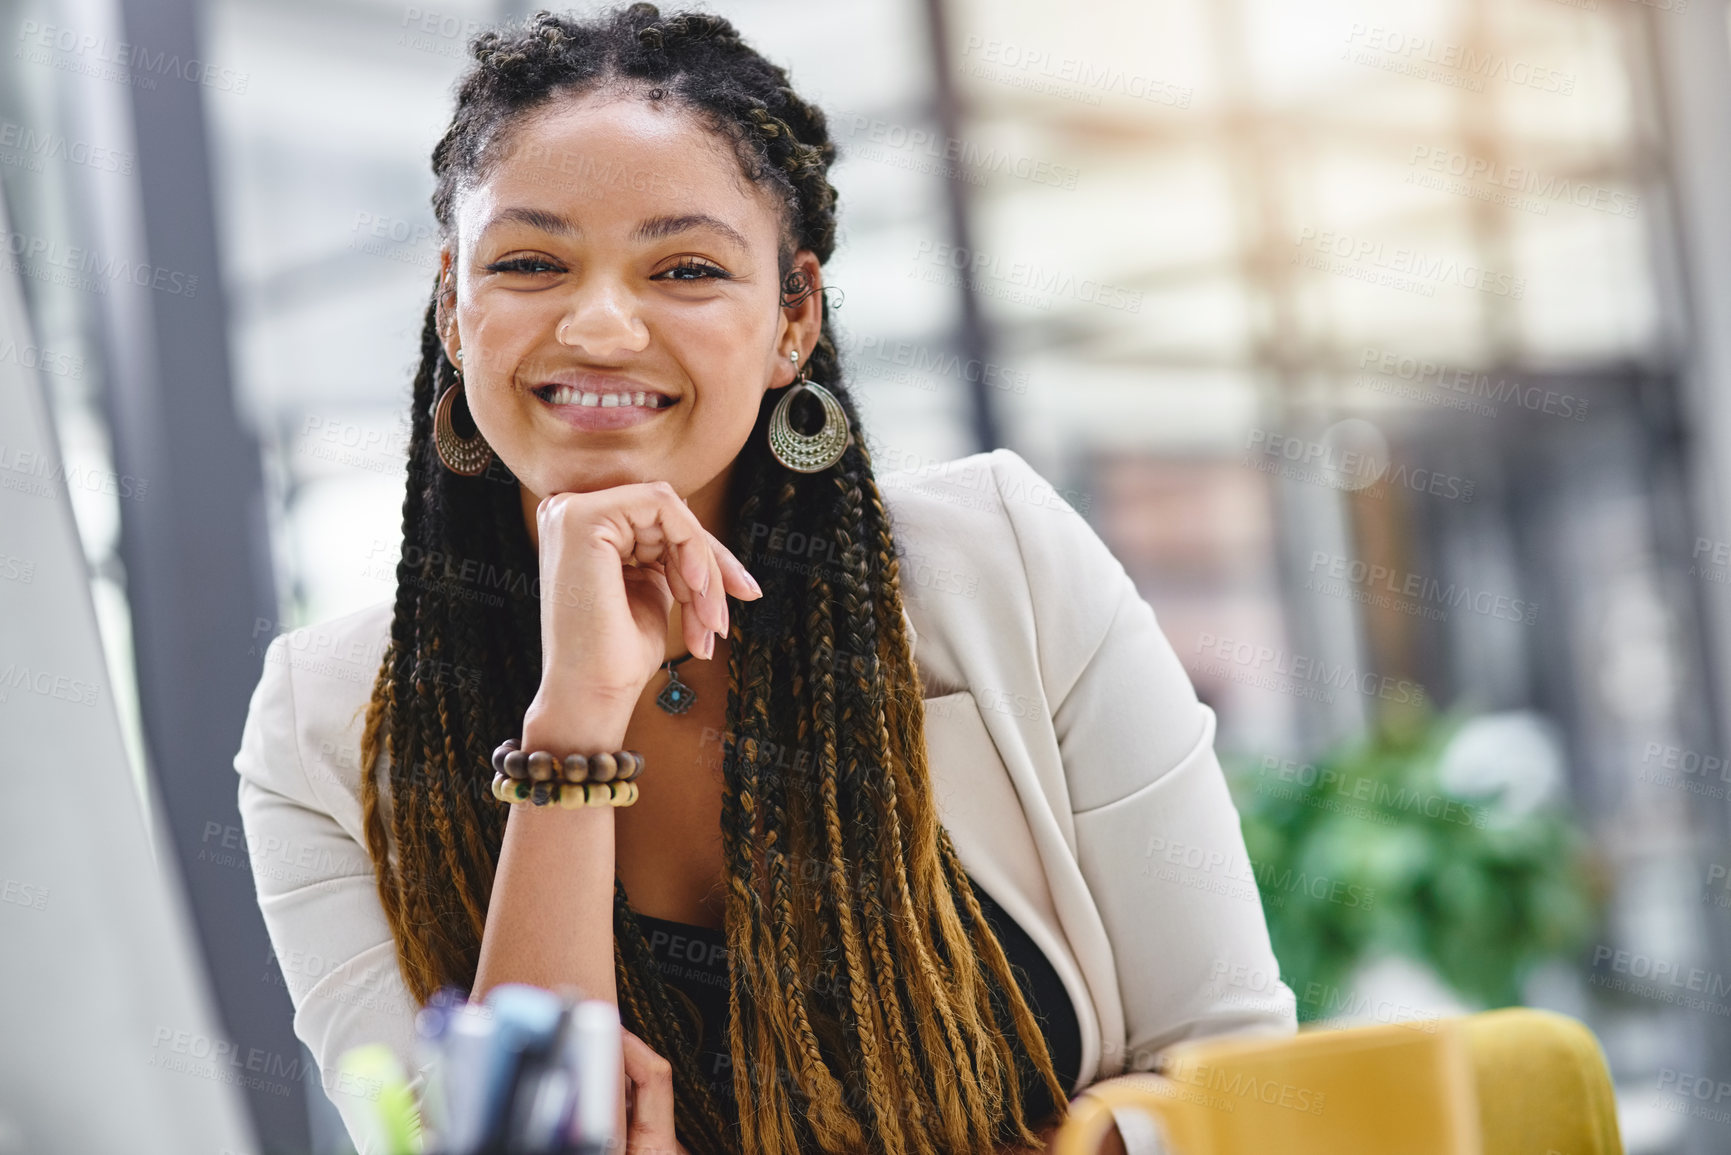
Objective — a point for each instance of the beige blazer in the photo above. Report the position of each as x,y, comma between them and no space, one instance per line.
1071,760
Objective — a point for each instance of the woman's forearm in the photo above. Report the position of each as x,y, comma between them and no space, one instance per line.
550,916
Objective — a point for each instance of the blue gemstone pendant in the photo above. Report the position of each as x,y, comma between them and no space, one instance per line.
675,697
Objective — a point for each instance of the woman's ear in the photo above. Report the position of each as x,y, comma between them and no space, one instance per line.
445,303
802,303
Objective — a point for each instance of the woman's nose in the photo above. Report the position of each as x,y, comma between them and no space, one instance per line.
602,320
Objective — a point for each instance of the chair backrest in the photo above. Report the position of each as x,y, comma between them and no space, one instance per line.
1496,1083
1542,1085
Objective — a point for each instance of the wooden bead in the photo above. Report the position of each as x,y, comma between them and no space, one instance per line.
499,784
499,758
630,764
542,766
571,797
625,794
576,768
603,767
517,764
538,794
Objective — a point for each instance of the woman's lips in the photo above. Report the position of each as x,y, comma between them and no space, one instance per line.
615,411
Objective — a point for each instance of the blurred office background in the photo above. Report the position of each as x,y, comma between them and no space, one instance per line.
1387,343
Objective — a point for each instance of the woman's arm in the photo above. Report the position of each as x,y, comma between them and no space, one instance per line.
550,917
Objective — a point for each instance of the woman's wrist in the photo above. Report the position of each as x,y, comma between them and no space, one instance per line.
570,719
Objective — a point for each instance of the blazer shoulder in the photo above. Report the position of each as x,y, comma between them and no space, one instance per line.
990,547
327,671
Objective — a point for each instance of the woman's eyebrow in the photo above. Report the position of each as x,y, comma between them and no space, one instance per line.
653,229
656,228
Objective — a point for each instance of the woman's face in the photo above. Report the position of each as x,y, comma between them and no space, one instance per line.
617,254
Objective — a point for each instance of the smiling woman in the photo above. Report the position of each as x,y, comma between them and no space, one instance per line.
635,211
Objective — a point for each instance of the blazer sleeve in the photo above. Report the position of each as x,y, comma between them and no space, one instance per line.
1158,838
316,889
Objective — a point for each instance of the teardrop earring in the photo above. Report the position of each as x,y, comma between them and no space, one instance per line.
809,453
465,456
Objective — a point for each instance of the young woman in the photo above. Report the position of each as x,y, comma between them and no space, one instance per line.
838,912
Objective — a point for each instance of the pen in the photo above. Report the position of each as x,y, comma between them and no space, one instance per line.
524,1021
592,1053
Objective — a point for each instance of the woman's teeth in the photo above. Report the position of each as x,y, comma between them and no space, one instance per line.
566,395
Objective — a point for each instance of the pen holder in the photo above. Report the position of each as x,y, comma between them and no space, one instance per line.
529,1072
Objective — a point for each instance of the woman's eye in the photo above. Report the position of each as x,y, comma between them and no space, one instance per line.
523,265
698,270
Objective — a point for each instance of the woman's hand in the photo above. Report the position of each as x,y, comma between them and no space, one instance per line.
613,562
648,1101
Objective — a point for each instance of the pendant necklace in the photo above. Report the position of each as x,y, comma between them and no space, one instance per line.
675,697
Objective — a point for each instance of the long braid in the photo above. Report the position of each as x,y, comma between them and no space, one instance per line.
832,1125
839,870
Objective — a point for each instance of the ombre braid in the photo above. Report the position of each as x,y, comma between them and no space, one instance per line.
840,872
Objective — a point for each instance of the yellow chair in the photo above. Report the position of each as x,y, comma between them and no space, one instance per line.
1508,1082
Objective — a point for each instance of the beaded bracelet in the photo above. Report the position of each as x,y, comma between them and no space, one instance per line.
541,777
567,795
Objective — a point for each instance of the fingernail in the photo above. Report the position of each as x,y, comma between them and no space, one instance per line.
751,581
708,646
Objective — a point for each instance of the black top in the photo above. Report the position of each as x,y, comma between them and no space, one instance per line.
693,964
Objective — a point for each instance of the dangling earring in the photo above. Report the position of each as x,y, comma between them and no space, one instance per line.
809,453
466,456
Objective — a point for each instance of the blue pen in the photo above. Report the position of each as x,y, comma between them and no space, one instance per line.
525,1019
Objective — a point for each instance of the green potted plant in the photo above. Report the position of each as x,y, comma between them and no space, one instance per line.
1373,850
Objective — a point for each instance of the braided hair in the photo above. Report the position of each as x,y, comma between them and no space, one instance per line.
868,997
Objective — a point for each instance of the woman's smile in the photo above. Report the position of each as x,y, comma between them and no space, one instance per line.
602,401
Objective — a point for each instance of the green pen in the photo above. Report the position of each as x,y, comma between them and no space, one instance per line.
394,1124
